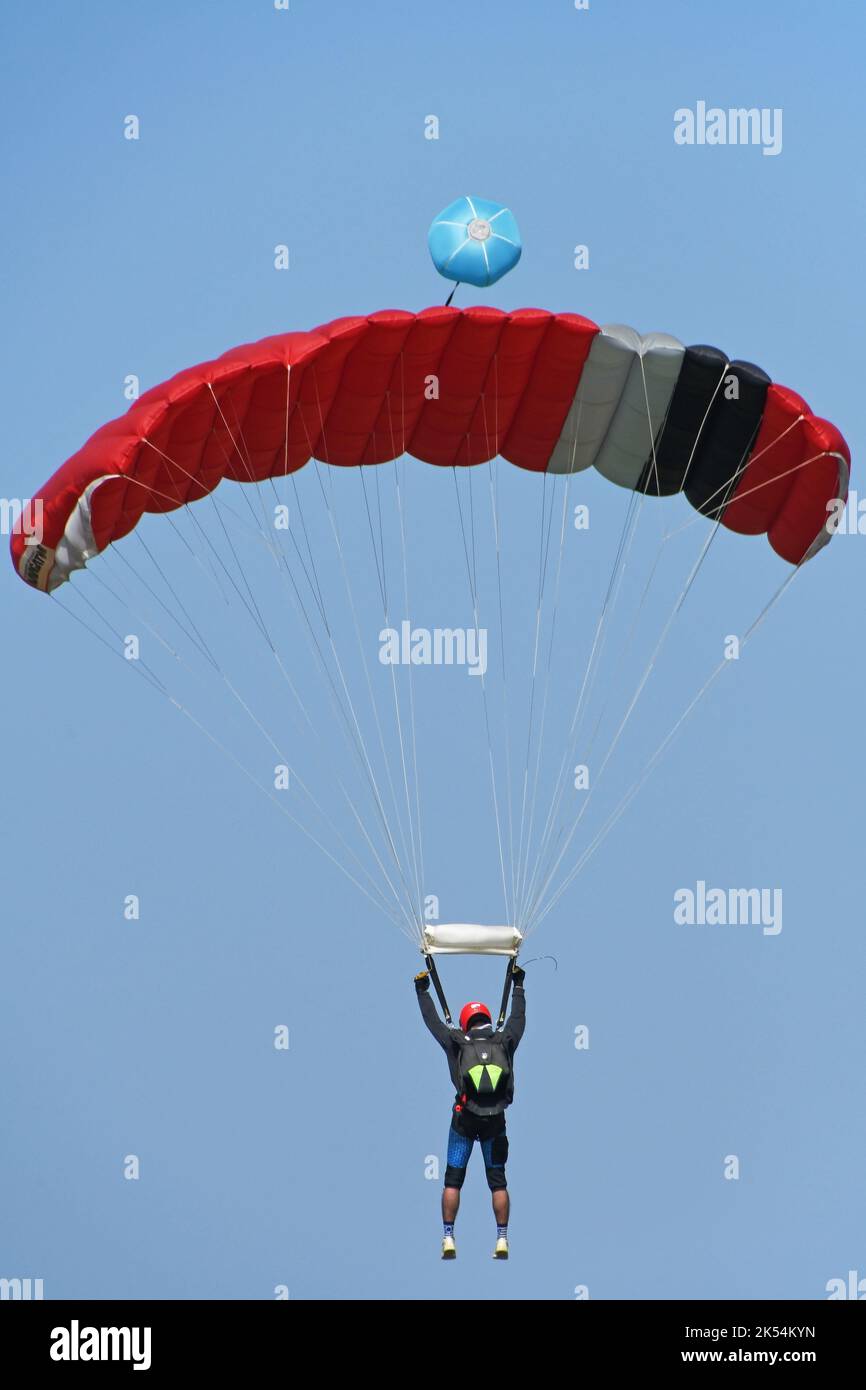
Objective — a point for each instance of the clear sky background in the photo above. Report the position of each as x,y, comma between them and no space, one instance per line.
308,1168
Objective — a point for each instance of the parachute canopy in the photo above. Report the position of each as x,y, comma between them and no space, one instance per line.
360,723
550,392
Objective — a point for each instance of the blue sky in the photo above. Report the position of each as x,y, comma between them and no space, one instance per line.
306,1168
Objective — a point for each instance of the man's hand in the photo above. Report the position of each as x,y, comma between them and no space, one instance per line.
422,982
518,974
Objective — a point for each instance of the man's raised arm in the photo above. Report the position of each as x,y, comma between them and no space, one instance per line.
440,1030
513,1030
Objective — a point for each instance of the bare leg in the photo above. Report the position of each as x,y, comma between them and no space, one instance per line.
450,1203
501,1206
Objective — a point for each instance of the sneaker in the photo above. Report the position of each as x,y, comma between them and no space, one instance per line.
449,1249
501,1251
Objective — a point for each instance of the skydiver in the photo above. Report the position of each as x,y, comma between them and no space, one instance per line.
480,1061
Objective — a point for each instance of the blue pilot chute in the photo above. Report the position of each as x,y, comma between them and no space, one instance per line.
474,241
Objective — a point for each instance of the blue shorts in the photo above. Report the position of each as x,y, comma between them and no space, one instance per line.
494,1149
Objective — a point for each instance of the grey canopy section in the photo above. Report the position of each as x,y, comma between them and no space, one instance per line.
620,405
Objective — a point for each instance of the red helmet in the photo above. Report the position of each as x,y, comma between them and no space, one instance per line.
473,1010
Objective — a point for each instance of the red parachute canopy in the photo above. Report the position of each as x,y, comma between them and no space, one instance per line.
549,392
